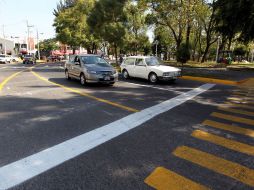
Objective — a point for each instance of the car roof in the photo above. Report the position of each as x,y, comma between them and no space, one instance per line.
141,56
88,55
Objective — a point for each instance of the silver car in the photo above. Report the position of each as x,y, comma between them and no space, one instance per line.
90,69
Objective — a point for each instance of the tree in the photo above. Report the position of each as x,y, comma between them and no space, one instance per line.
135,39
235,18
49,45
175,15
71,26
107,21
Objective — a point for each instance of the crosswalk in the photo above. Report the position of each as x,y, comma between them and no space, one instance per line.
235,116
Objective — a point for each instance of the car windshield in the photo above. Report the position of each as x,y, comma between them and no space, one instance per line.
93,60
153,61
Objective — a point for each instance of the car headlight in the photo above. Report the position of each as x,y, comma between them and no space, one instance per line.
91,72
166,74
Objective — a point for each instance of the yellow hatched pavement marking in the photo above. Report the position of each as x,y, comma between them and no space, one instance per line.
233,118
241,100
2,84
231,128
243,112
163,179
227,143
239,105
216,164
87,95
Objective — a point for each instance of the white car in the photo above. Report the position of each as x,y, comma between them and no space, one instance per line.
5,58
150,68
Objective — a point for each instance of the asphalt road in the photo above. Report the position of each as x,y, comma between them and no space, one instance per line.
56,134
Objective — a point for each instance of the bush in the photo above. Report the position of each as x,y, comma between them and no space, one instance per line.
183,53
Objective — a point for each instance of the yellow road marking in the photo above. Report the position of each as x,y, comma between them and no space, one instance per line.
211,80
163,179
2,84
227,143
216,164
233,118
239,105
87,95
243,112
231,128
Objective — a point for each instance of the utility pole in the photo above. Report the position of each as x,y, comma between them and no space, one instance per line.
4,41
218,49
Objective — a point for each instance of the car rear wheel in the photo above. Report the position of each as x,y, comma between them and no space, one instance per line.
82,79
153,78
67,75
126,74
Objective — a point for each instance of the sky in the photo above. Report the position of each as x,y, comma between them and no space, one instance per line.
15,13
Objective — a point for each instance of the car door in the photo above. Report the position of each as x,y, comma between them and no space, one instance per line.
77,66
130,66
141,70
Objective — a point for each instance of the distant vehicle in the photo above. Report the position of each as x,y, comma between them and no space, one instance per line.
15,59
5,58
150,68
53,58
90,69
29,59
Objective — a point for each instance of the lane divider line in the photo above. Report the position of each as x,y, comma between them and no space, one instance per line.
233,118
86,95
221,141
231,128
164,179
22,170
216,164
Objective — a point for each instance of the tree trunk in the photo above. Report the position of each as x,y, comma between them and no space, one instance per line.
205,53
73,50
115,46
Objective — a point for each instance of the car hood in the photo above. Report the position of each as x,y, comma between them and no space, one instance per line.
164,68
100,67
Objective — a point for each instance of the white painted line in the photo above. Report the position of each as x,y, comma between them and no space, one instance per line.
31,166
3,67
150,86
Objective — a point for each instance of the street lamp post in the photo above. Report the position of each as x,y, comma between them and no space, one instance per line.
218,47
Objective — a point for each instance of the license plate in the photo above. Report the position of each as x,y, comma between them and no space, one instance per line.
107,78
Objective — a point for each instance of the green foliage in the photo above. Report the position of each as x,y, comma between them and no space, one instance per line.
49,45
135,39
235,19
183,53
107,22
70,23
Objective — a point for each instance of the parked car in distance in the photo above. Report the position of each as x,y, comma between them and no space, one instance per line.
53,58
29,59
150,68
5,58
90,69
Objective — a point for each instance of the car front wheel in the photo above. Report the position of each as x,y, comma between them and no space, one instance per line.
67,75
153,78
82,79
